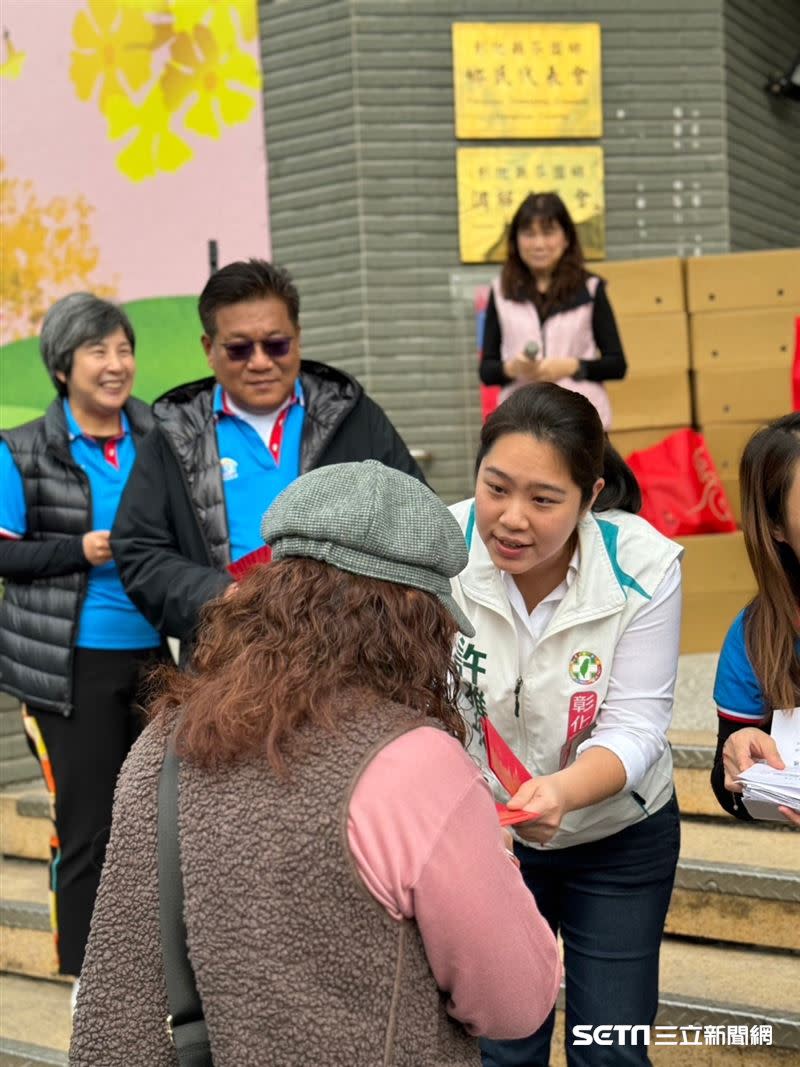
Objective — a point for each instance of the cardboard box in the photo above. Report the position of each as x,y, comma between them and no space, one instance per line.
642,286
762,337
655,342
644,400
744,280
738,395
726,443
627,441
717,583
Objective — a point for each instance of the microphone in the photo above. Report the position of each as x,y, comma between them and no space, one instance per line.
531,350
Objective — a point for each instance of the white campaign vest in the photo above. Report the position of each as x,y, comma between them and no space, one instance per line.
545,707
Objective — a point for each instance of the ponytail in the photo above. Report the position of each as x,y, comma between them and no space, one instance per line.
621,489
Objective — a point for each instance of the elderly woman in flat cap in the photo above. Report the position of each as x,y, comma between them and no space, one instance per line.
346,893
72,645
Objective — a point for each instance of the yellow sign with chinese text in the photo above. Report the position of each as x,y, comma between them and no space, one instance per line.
527,79
492,182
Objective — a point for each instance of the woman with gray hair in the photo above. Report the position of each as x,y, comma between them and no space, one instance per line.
72,645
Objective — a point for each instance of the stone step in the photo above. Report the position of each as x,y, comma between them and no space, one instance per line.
707,984
693,757
737,882
25,827
21,1054
16,762
35,1021
26,945
701,986
13,745
10,720
19,769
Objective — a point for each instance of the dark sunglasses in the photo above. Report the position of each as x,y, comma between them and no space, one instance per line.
274,347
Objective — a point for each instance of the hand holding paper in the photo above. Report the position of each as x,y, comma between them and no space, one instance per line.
770,789
745,748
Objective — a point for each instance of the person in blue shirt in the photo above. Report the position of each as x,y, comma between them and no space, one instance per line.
73,648
224,447
759,666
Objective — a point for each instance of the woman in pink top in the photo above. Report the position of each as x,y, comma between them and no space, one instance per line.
348,897
548,319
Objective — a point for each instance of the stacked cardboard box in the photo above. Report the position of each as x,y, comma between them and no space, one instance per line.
742,311
648,300
654,399
717,584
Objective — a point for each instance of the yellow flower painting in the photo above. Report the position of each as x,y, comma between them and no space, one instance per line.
163,70
198,70
12,65
46,250
155,147
113,47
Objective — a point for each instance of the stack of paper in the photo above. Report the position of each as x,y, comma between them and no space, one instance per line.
765,787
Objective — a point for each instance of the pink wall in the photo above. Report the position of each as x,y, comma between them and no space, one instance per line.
151,234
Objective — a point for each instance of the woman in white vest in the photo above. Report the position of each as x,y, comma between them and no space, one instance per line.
548,319
576,604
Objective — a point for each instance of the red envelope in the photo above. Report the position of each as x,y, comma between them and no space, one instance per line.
502,761
509,772
240,568
508,817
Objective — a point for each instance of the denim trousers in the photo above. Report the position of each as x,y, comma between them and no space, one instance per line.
608,899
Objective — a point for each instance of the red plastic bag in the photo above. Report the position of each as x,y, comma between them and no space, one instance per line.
796,368
681,490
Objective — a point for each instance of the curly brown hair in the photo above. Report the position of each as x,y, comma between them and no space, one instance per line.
277,656
517,282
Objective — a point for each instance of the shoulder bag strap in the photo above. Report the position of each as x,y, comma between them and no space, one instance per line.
185,1022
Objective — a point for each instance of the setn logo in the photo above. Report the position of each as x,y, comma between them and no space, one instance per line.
604,1035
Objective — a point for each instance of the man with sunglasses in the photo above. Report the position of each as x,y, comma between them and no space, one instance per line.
224,447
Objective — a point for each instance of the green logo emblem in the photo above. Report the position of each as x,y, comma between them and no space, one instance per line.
585,668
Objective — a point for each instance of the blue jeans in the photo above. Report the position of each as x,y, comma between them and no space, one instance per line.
609,900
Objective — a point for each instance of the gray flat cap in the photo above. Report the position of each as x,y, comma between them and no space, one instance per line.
372,520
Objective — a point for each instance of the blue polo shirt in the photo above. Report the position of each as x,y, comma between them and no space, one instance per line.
737,691
108,617
253,473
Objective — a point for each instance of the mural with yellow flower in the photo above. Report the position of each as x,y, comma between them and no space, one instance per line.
132,144
46,250
12,65
162,70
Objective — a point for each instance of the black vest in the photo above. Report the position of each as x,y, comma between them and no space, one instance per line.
39,619
191,432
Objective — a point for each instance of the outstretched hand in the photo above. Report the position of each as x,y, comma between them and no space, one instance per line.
547,798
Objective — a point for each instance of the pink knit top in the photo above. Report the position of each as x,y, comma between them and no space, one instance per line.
420,813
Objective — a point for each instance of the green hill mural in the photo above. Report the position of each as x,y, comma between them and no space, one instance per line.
168,352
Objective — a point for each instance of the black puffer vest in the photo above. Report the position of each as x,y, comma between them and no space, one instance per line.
39,619
190,429
186,415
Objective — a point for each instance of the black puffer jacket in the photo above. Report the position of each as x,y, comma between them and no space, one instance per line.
170,538
46,573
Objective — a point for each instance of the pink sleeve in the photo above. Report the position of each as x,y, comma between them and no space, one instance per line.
425,837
